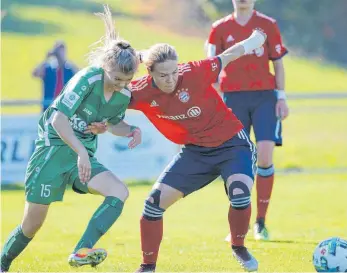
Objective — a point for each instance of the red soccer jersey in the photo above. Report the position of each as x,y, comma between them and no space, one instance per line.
194,113
252,72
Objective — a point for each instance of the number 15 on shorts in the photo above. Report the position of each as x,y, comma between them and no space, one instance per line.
45,190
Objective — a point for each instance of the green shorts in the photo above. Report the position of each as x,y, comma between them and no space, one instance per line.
50,170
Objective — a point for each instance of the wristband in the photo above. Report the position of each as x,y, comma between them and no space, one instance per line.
133,128
255,41
281,94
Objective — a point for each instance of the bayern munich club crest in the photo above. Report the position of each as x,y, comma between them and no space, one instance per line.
183,95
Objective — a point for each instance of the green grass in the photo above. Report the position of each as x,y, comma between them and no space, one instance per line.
304,210
22,52
314,135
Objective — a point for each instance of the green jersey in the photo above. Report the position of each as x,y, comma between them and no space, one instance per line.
82,100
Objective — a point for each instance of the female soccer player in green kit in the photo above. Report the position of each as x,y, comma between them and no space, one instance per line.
65,149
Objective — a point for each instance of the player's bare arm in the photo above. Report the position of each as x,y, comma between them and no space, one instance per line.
121,129
126,130
282,110
253,42
62,126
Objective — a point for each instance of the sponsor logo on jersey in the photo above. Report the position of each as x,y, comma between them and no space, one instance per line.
192,112
230,39
183,95
154,104
77,123
84,88
70,99
89,113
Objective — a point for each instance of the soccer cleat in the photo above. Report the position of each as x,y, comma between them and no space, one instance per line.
85,256
245,259
260,232
146,268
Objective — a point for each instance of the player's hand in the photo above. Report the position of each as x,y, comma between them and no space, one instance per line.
136,136
282,110
96,128
84,167
260,32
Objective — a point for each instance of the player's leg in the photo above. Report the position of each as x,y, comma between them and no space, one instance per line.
267,130
238,174
183,176
42,186
105,183
265,181
159,200
20,237
241,105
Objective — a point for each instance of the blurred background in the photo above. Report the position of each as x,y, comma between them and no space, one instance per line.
312,164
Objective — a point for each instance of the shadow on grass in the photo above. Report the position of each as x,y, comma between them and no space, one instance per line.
13,24
292,242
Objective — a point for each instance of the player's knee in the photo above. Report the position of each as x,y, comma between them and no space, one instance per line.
120,191
239,195
264,160
266,171
152,211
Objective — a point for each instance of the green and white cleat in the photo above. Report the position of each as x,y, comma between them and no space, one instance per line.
260,232
87,256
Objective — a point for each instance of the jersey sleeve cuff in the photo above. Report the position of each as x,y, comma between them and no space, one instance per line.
279,57
219,68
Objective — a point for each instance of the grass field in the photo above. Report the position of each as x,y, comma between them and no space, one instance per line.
304,210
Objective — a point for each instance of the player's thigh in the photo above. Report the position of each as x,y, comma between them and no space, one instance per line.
266,125
240,103
186,174
265,150
33,218
45,175
107,184
102,182
241,162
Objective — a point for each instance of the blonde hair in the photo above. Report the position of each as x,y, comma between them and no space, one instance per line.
158,53
111,51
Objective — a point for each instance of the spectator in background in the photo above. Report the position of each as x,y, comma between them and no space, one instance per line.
55,72
255,95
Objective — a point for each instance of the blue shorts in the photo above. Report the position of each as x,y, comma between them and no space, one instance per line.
196,166
257,109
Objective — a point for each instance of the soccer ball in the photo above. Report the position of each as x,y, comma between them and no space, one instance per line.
331,255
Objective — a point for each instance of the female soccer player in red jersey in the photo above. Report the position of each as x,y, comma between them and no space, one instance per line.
180,101
256,96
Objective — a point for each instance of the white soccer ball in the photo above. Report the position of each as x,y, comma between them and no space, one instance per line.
331,255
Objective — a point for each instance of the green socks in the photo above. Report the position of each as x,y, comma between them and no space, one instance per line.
14,245
102,220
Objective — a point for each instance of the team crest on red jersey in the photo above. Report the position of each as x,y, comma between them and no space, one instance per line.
183,95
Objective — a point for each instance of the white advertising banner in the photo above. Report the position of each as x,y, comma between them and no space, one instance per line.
18,134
